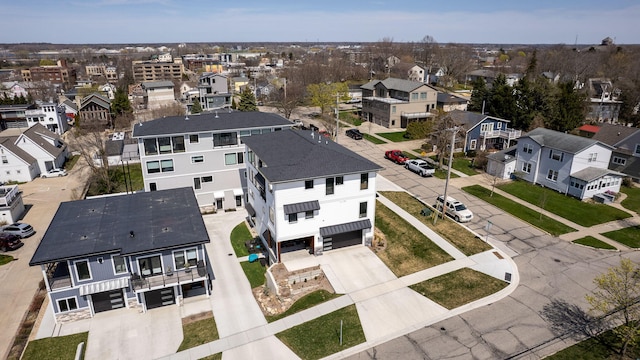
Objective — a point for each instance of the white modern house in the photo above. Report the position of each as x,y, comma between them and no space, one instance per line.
50,115
569,164
203,151
25,155
307,192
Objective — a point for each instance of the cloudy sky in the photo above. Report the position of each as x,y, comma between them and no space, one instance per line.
463,21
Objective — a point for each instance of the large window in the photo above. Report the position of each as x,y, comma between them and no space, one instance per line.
119,264
486,127
150,265
185,257
178,144
330,186
363,209
225,139
619,160
552,175
526,167
82,269
233,158
364,181
150,147
164,144
158,166
67,304
293,218
166,165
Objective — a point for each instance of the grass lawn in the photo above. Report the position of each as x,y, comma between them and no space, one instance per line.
217,356
459,287
320,337
239,235
373,139
632,202
582,213
628,236
350,118
71,162
198,332
407,250
533,217
60,347
464,166
254,272
442,174
604,346
394,136
134,180
305,302
5,259
465,241
594,243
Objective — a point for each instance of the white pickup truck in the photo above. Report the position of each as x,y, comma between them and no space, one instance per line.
420,167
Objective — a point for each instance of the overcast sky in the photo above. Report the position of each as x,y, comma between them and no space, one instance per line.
211,21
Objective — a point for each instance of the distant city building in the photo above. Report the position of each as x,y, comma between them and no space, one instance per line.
153,70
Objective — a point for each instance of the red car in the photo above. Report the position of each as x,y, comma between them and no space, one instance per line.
396,156
10,242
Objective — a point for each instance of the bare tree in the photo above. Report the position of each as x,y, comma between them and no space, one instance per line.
91,146
455,61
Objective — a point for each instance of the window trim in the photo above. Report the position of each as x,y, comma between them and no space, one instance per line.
184,253
66,300
366,208
75,266
192,137
306,184
552,175
293,218
309,214
196,159
113,264
364,181
620,161
330,186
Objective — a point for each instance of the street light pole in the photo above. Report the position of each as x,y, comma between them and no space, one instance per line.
337,116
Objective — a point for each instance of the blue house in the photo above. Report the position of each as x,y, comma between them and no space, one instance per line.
142,250
482,132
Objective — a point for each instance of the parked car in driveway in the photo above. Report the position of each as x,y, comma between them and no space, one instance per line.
455,209
420,167
354,134
20,229
396,156
54,173
10,242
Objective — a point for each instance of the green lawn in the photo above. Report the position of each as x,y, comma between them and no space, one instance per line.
464,166
407,250
134,181
239,235
5,259
533,217
604,346
582,213
199,332
59,347
442,174
460,287
462,239
254,272
594,243
628,236
373,139
305,302
320,337
632,202
394,136
71,162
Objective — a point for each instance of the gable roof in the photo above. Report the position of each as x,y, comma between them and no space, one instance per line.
572,144
612,134
157,84
395,84
9,143
95,98
591,173
297,154
203,122
470,119
37,133
450,99
589,128
104,225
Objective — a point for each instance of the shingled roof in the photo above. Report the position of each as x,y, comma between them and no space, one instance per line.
125,224
560,141
395,84
294,155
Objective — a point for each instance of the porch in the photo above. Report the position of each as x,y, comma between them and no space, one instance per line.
170,278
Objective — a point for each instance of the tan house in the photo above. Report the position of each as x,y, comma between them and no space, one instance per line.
394,103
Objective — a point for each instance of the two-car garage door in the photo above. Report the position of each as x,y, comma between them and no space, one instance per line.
338,241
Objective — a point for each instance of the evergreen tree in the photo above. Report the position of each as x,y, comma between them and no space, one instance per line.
502,103
479,95
569,108
196,108
120,104
234,106
247,101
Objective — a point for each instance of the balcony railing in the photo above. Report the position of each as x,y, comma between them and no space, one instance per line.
59,282
183,276
8,194
510,134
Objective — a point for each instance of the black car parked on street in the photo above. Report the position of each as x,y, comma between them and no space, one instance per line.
354,134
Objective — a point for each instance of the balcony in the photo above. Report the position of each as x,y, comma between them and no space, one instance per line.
8,194
509,134
58,276
170,278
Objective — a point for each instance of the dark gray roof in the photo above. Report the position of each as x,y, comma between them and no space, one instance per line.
395,84
469,119
37,133
97,99
157,84
158,219
572,144
216,121
592,173
450,99
299,154
114,147
346,227
301,207
613,134
504,156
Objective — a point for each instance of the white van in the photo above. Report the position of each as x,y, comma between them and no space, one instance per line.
455,209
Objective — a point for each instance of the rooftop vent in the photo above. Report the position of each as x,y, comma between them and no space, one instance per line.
132,234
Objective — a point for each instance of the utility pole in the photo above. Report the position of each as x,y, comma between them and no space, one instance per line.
446,183
337,116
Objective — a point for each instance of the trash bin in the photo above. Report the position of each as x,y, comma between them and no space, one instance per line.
253,258
426,211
